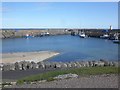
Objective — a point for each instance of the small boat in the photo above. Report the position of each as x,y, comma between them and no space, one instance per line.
46,33
116,41
82,35
105,36
28,36
116,35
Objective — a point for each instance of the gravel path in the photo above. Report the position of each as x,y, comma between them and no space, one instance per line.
97,81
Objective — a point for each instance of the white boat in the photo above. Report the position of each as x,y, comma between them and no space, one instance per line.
116,35
82,35
105,36
46,33
28,36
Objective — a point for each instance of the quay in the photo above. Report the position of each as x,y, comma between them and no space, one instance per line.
16,33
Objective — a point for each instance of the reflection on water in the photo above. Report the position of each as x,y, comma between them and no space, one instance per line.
70,47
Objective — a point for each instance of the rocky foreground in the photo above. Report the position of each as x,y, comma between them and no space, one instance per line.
93,81
25,65
66,81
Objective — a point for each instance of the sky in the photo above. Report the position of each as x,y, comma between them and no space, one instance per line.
59,14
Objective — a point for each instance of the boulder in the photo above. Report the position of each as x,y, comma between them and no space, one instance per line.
34,65
95,63
1,67
57,65
115,63
63,65
25,65
18,66
6,67
41,65
111,63
47,65
83,64
65,76
98,63
73,64
69,65
91,64
106,63
78,64
12,66
86,64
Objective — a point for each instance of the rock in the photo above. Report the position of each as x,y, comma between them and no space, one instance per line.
47,65
84,64
65,76
73,64
78,64
87,64
63,65
115,64
91,63
18,66
41,65
34,65
95,63
100,63
69,65
25,65
12,66
13,83
111,63
1,67
41,81
106,63
6,67
58,65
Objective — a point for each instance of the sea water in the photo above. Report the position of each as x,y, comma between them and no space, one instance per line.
71,48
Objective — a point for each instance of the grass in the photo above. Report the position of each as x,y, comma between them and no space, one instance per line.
79,71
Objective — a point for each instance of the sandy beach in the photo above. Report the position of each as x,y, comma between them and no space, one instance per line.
27,56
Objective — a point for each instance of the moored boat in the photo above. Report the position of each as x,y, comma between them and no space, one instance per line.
105,36
116,41
82,35
116,35
28,36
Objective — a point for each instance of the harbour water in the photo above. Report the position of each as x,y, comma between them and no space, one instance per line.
71,48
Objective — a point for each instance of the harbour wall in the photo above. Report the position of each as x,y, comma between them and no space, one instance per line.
13,33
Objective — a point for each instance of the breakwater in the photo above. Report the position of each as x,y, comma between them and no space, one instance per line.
25,65
13,33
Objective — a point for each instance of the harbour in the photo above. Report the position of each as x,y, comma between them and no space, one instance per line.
71,48
59,45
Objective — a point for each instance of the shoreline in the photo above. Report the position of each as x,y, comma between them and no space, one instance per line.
36,56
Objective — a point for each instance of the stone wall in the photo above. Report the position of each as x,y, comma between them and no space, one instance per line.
22,33
12,33
24,65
